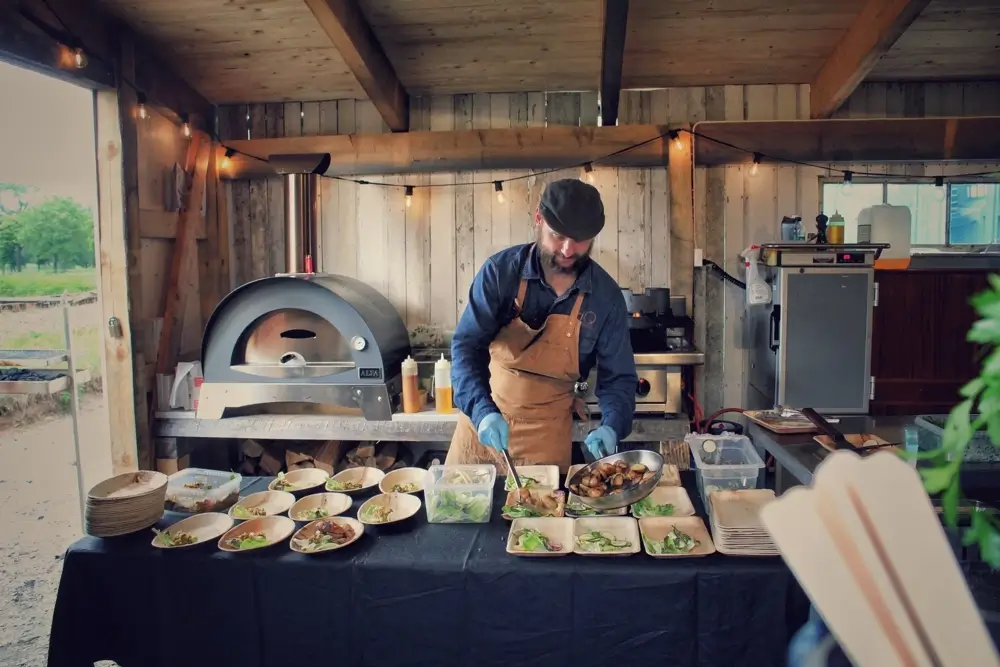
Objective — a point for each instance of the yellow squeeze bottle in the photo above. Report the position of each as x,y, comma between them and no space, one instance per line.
442,386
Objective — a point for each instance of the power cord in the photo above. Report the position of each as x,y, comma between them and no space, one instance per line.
725,276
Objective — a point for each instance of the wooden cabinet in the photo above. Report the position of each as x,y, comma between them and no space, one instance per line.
920,356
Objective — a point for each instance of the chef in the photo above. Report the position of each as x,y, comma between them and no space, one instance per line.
539,317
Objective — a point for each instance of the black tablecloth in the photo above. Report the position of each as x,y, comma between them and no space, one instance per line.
434,595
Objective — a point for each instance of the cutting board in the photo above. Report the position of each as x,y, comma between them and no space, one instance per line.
857,440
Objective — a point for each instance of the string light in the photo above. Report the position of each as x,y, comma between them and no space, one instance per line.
227,159
939,181
79,58
757,157
588,172
409,196
498,186
141,111
675,137
185,126
848,177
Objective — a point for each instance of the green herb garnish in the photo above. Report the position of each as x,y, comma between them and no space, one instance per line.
526,483
281,484
676,542
313,514
646,507
454,507
247,541
521,511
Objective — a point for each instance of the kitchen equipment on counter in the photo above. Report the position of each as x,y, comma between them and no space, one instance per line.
837,438
303,337
811,346
660,334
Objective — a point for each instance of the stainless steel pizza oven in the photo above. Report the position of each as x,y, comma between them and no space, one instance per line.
303,336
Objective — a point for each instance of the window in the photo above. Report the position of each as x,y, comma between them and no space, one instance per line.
953,214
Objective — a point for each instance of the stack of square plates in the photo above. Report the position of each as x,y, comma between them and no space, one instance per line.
125,503
736,526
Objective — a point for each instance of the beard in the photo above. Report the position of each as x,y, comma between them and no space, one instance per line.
550,260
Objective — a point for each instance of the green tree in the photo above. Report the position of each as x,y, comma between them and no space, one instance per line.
59,232
12,202
12,199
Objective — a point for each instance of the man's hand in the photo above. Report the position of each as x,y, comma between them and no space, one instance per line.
601,442
494,432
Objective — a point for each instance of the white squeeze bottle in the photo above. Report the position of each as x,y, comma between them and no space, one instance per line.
442,386
411,386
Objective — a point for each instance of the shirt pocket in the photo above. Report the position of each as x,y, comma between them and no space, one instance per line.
588,341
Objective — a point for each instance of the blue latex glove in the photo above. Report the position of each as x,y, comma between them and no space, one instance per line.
807,639
493,431
601,442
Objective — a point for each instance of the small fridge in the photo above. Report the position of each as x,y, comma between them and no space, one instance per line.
811,346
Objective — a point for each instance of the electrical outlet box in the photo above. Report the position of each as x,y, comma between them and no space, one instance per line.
699,257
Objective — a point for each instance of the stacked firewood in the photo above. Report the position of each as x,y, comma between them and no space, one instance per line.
269,457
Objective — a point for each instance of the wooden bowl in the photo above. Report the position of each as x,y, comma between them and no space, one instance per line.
309,530
403,506
203,527
272,502
403,476
274,528
303,481
367,477
333,503
128,485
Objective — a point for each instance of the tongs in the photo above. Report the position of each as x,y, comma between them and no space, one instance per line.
827,429
513,472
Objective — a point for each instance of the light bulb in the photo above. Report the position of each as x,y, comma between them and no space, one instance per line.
588,173
756,164
227,158
678,144
848,178
185,126
498,186
79,58
140,111
409,196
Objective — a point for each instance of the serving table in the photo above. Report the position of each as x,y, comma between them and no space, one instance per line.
425,594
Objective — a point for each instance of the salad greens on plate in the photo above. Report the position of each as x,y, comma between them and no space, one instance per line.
597,542
533,540
646,507
676,542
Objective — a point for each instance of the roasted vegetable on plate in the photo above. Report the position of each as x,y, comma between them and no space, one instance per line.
328,535
676,542
530,503
247,541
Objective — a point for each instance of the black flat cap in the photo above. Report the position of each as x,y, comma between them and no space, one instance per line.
573,208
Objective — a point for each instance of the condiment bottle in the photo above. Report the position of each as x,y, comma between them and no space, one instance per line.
411,386
835,229
442,386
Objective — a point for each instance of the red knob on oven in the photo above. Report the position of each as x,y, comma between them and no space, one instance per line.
642,387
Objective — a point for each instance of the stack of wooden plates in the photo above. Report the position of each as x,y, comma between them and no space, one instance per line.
736,525
125,503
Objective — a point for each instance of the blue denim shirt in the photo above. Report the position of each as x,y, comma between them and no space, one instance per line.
604,336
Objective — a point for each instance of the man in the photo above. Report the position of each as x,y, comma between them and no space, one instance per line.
539,317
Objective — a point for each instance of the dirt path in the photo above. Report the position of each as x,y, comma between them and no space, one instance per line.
40,513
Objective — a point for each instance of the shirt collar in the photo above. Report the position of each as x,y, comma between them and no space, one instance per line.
533,271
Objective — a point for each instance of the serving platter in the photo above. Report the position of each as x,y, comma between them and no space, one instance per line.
333,503
620,528
205,528
657,528
366,477
665,495
310,529
556,530
275,529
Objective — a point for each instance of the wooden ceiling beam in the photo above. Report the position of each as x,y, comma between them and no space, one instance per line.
612,56
875,29
882,140
816,141
348,30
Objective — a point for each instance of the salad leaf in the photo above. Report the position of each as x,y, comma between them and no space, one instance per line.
597,541
676,542
337,485
247,541
521,511
530,539
526,482
169,539
646,507
454,507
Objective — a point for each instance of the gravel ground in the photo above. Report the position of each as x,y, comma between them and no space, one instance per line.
40,512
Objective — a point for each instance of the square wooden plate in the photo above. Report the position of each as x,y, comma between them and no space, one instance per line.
656,528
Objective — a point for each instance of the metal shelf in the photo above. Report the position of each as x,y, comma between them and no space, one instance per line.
33,358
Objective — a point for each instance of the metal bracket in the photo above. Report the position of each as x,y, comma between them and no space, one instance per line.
875,303
871,388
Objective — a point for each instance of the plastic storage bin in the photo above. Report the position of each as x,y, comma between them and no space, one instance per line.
195,490
734,463
459,494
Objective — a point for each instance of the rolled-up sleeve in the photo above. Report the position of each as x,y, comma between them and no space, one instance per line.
616,377
470,346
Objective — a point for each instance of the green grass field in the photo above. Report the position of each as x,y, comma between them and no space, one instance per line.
31,282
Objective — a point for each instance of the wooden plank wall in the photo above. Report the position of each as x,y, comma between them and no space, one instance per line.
423,257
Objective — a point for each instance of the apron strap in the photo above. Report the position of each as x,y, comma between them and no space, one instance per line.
575,313
522,290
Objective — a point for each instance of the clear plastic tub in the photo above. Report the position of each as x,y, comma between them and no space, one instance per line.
195,490
459,494
732,463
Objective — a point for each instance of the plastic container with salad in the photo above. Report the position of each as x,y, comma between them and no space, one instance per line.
459,494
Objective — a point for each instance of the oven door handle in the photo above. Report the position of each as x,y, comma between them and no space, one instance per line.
773,330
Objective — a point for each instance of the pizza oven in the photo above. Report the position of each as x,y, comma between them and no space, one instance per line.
303,336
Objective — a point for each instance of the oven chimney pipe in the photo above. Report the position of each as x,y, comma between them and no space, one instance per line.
301,174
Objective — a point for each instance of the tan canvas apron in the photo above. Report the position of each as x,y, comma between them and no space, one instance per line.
532,375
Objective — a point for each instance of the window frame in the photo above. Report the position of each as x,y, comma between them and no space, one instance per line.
902,179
